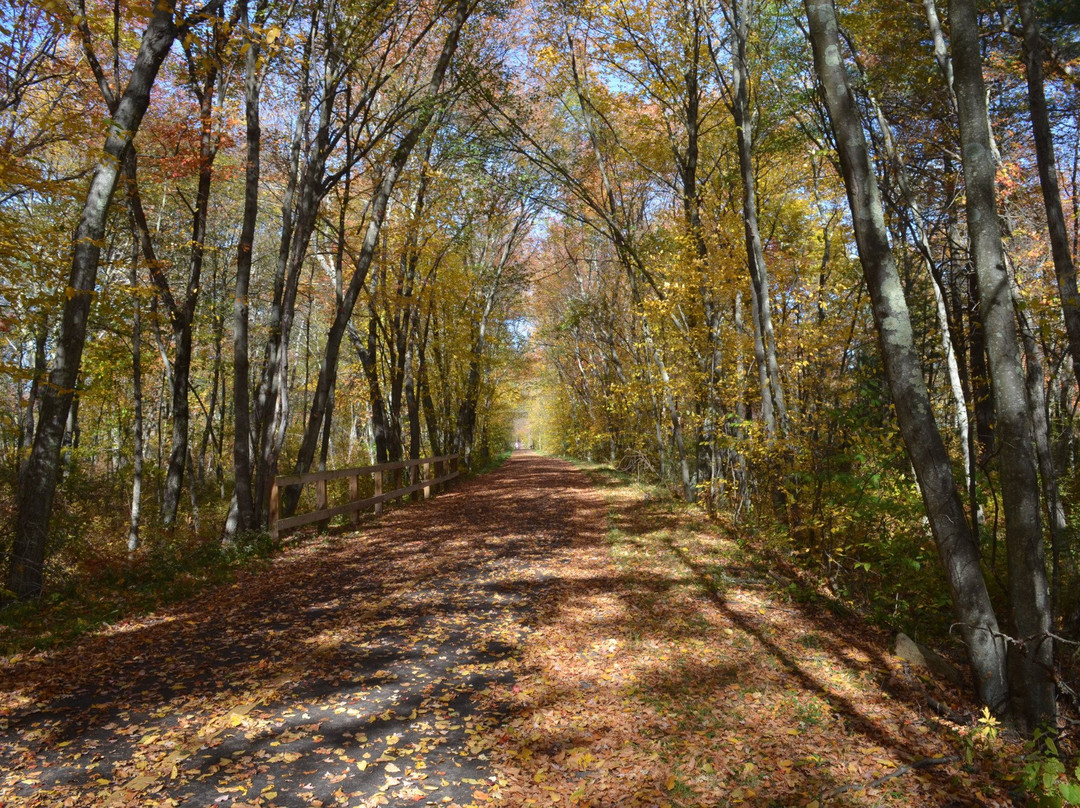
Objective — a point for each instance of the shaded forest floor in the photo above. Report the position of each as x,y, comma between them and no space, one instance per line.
539,635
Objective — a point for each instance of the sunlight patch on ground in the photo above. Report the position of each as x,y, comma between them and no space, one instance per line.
671,672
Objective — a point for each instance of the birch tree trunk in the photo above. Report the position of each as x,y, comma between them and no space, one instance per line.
136,395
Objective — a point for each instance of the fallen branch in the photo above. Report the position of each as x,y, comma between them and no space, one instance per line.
925,763
945,711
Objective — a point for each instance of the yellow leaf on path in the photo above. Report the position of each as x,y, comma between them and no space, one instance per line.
671,782
390,767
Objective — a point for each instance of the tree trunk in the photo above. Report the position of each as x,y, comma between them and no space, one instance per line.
368,360
1040,421
26,441
430,415
914,223
174,477
245,508
136,395
774,410
25,573
412,407
956,546
183,314
211,410
1030,663
1048,179
299,207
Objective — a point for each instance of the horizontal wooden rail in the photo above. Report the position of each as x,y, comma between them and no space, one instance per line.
435,471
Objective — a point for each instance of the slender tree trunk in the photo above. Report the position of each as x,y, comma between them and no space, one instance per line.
685,475
26,441
174,477
136,395
25,573
768,414
774,409
466,423
244,518
1030,664
412,407
940,306
968,343
430,416
211,409
297,206
1040,421
183,314
192,495
1048,179
956,546
738,460
368,359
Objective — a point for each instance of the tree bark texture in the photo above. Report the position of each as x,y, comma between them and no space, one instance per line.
956,546
1031,661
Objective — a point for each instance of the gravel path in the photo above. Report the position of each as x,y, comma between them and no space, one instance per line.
348,673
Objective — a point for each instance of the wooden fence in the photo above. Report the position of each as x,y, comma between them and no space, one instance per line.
435,471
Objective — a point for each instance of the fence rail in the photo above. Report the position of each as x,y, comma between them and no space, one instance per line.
434,472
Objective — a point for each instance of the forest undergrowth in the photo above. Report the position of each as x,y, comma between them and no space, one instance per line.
95,581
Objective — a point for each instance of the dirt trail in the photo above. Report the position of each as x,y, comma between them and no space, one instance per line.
345,674
525,639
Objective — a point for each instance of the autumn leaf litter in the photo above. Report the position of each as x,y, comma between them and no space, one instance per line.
524,639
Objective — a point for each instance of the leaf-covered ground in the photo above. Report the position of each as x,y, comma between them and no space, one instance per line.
525,639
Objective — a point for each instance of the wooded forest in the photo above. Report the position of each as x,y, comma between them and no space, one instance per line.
810,266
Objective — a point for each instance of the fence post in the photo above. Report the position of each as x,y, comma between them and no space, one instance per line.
378,490
275,510
320,501
427,478
354,494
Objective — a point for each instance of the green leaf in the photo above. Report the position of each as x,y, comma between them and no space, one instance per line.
1070,792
